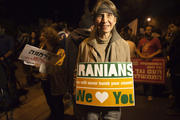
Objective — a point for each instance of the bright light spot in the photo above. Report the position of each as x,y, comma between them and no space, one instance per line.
148,19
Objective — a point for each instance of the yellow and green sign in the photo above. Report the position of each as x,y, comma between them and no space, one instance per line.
105,84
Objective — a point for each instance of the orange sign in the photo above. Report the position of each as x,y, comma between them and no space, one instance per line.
105,84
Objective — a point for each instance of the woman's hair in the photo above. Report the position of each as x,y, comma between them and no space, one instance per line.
51,35
107,3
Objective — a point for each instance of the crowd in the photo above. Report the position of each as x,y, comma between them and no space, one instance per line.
152,43
94,40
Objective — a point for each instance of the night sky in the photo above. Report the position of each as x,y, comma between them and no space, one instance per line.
23,11
29,11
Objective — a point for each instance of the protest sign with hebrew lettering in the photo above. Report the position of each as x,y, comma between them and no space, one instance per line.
34,55
149,71
105,84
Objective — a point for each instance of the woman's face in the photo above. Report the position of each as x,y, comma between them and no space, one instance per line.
105,22
42,37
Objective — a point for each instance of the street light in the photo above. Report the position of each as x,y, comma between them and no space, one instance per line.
148,19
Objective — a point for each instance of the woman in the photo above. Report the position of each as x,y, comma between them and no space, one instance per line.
52,74
104,45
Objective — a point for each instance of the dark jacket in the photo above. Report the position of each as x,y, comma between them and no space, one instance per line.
57,79
72,45
175,54
55,75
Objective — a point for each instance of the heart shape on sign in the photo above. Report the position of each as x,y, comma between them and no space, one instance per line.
101,96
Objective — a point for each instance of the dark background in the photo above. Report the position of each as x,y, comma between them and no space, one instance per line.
26,12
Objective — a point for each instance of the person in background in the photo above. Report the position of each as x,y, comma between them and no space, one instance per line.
156,33
7,74
129,39
167,39
72,43
33,39
62,39
174,58
105,45
52,82
139,35
132,47
23,39
148,48
63,33
30,70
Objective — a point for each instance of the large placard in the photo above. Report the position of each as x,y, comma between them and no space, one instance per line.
149,71
33,55
105,84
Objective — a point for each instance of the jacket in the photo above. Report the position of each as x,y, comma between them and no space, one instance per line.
72,45
174,53
56,75
117,50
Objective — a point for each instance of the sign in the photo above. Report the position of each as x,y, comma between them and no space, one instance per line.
33,55
133,25
149,71
105,84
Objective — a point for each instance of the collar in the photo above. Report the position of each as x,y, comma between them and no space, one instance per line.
115,36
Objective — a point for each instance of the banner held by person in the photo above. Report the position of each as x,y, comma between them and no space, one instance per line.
105,84
149,71
32,55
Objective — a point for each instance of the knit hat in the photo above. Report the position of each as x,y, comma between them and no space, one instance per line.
104,8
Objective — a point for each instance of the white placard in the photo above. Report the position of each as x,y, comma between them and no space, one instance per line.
34,55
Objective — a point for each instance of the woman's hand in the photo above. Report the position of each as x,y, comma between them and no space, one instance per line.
37,65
